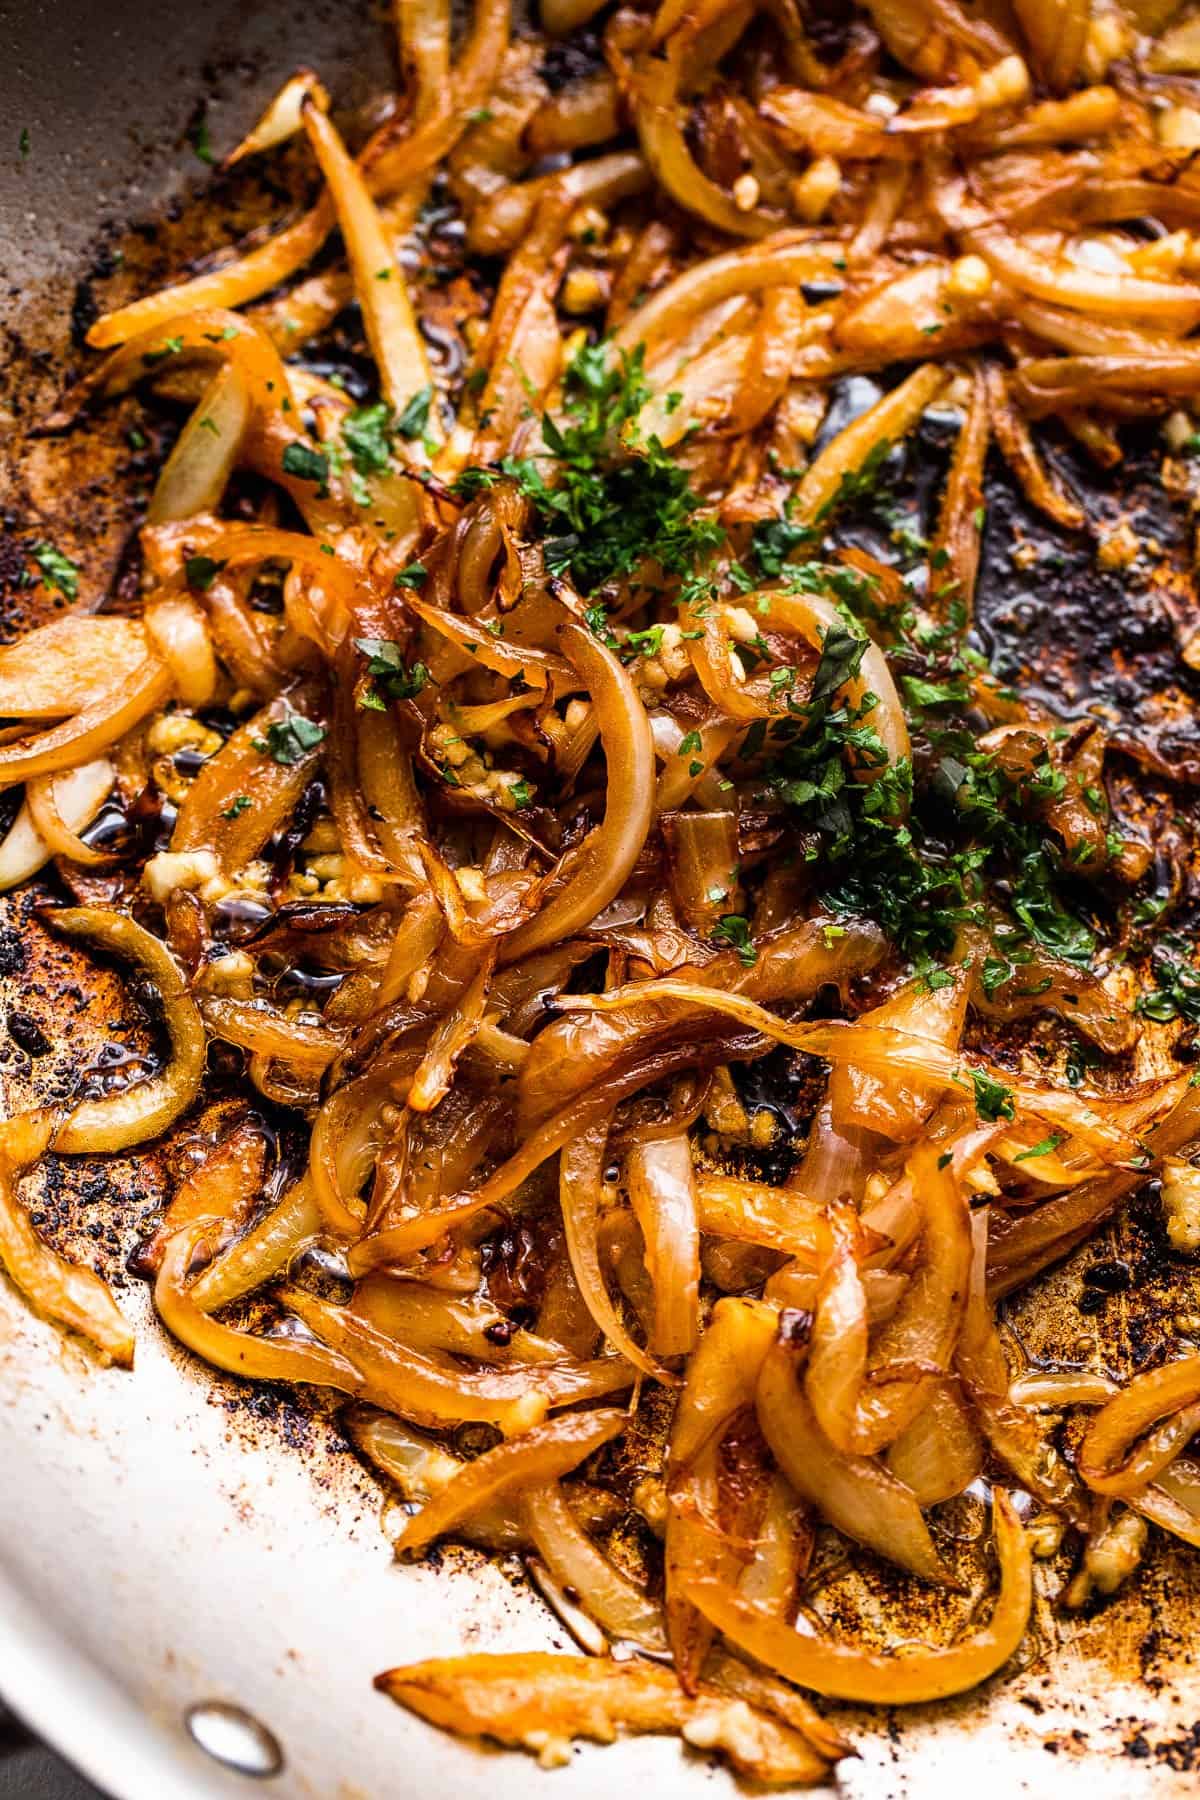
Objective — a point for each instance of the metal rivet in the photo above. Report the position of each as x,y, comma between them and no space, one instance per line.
234,1737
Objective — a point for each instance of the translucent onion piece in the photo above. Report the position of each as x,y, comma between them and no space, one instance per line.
177,629
433,1077
1041,1237
396,344
722,1376
608,1596
1056,36
205,454
837,1351
1015,1435
580,1181
885,423
888,1051
864,1100
1173,1502
1039,484
144,1110
229,285
239,1352
506,658
694,1545
78,796
282,117
421,1469
1073,1387
98,726
1088,290
939,1453
224,1190
784,260
539,1701
428,1319
954,558
1111,1460
65,1292
440,1392
854,1493
845,1672
662,1192
538,1456
67,665
211,818
260,1028
602,865
266,1249
923,1331
657,115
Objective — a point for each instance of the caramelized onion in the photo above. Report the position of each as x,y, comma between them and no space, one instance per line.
1111,1460
538,1456
848,1672
98,726
66,1292
662,1191
144,1110
602,865
853,1492
617,1605
538,1701
56,808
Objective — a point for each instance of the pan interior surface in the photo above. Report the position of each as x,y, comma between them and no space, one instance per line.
172,1541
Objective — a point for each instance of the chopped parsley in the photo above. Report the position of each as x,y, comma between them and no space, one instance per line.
236,807
1046,1147
201,571
307,464
57,570
169,347
412,575
1177,995
367,435
288,740
392,677
734,930
608,500
199,139
412,421
993,1101
773,540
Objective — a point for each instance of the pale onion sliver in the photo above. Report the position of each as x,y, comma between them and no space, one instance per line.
78,794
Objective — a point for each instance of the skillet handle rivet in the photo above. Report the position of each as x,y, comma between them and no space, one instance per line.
231,1735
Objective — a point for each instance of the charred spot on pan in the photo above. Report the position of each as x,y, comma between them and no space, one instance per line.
24,1030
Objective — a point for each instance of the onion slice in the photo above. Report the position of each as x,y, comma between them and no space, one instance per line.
391,327
65,1292
538,1456
662,1192
844,1672
853,1492
538,1701
618,1606
602,865
78,795
65,666
1111,1460
145,1110
96,728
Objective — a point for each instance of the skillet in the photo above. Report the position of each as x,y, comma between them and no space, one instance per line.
186,1562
